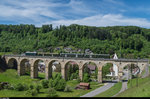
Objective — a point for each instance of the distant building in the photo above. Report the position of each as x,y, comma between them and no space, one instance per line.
88,51
114,69
92,68
53,68
57,48
56,67
41,66
79,50
68,49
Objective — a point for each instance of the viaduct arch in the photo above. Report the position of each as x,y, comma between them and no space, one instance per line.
33,60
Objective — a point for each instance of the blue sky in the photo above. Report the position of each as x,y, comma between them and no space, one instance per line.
83,12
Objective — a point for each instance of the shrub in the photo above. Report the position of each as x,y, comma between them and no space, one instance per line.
55,76
58,76
10,87
31,92
78,80
26,87
51,92
31,86
60,85
28,92
143,89
6,86
38,87
34,92
45,83
50,83
86,78
55,82
19,87
68,89
72,76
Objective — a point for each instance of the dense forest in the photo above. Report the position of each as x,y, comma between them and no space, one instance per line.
126,41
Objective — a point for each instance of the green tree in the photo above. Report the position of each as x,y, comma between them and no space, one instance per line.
86,77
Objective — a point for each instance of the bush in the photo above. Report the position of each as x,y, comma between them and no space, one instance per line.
45,83
26,87
68,89
38,87
6,86
72,76
19,87
61,84
51,92
31,86
55,82
31,92
50,83
10,87
78,80
86,78
34,92
28,92
58,76
55,76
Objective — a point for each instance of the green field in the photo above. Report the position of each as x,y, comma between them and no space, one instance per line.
11,76
112,91
134,82
142,90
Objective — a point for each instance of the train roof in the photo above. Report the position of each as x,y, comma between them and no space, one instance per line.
31,52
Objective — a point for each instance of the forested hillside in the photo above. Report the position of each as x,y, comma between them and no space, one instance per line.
127,41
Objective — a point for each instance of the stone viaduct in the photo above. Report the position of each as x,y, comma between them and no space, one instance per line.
48,60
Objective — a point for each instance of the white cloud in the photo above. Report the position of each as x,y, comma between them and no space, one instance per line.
104,20
28,10
81,12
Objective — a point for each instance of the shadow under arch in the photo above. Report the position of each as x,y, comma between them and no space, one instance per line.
71,70
12,64
24,67
36,69
91,69
53,66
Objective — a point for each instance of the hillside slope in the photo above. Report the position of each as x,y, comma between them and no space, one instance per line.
126,41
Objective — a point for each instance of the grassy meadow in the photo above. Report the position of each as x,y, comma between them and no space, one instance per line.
112,91
11,76
142,90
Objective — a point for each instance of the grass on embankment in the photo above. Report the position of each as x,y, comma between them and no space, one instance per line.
143,89
134,82
12,77
112,91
